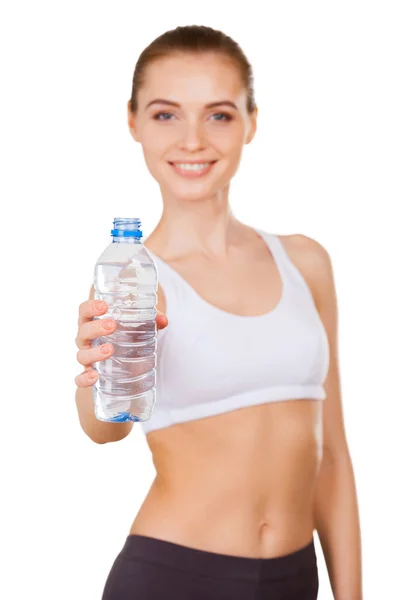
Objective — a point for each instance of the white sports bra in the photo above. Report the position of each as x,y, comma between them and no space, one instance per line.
219,361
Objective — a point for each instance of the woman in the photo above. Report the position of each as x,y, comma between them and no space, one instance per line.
247,433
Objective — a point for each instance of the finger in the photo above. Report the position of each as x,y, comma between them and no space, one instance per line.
161,320
86,357
87,378
90,309
93,329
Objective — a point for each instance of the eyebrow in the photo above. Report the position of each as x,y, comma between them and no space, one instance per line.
210,105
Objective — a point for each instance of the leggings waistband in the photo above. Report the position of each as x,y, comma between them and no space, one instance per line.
202,562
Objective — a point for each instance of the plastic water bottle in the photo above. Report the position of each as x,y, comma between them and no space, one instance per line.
126,278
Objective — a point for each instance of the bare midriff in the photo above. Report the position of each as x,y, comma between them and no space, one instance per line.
241,483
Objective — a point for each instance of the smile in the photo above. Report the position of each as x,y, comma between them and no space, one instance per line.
191,170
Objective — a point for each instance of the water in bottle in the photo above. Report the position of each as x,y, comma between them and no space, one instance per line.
126,278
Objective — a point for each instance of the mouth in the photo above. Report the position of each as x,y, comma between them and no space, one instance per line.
192,170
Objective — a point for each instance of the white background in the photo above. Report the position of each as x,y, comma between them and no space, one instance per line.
324,162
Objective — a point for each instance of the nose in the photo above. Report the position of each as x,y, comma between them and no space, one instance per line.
192,137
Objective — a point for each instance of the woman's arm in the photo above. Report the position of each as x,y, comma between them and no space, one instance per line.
335,508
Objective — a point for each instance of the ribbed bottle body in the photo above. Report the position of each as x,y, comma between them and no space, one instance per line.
125,277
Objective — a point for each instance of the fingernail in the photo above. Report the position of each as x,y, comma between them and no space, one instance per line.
100,305
105,349
108,324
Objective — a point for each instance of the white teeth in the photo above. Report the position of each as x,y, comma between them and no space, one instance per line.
193,167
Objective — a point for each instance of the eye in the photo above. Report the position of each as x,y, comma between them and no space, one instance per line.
156,117
226,116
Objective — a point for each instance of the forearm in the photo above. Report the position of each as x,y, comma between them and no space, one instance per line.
100,432
338,527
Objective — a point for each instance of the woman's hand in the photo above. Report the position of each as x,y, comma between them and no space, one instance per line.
89,329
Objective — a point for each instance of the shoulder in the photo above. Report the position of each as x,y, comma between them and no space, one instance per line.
313,261
305,248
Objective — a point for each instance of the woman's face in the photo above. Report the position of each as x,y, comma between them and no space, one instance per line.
183,129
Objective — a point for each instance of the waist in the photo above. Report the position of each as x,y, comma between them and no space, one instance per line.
238,483
225,524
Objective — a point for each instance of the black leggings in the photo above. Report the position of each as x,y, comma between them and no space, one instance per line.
151,569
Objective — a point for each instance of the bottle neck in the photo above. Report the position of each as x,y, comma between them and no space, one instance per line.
126,239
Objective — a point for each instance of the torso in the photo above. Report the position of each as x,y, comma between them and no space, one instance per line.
239,483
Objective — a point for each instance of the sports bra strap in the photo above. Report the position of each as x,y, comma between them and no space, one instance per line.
167,281
288,268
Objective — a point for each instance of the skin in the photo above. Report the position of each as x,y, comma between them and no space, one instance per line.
216,487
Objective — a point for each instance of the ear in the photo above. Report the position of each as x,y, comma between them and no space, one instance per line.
252,126
131,122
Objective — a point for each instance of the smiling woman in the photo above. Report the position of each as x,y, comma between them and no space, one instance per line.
247,433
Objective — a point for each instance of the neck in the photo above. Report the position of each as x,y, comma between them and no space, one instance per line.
205,225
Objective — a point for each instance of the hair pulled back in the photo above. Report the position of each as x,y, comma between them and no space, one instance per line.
194,40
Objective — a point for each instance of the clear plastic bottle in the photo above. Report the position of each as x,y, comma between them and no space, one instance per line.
126,278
